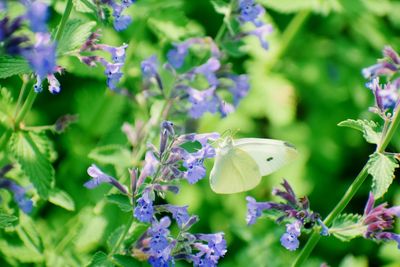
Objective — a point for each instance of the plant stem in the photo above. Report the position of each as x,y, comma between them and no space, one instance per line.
122,237
25,108
64,19
351,191
25,81
288,35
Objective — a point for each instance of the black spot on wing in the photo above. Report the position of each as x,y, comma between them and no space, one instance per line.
269,159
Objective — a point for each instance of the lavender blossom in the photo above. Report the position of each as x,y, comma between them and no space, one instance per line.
386,97
250,12
19,192
209,253
180,214
378,220
37,14
208,70
113,73
296,211
117,53
144,209
261,33
99,177
42,57
202,102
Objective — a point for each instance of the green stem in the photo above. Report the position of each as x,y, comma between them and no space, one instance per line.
122,237
4,139
64,19
351,191
25,81
288,35
25,108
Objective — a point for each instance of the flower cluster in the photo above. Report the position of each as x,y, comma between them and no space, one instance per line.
202,88
377,220
250,11
295,211
170,162
42,55
160,248
386,95
113,69
24,203
121,21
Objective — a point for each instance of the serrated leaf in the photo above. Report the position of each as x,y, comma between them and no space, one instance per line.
62,199
29,235
75,34
100,259
221,6
7,220
122,201
10,66
381,167
371,131
112,154
126,261
115,236
32,153
347,226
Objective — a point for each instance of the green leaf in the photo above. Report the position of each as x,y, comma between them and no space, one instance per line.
125,260
6,107
84,6
7,220
290,6
347,226
100,260
122,201
32,151
221,6
112,154
62,199
115,236
29,235
381,167
10,66
75,34
371,131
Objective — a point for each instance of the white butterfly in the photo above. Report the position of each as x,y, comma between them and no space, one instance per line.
240,164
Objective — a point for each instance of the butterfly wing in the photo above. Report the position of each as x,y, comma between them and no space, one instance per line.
234,171
269,155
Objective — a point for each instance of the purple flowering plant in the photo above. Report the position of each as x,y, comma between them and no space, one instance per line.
172,81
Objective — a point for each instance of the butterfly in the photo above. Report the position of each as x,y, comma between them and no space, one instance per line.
240,164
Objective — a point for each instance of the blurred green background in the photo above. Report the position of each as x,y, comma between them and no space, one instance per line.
301,88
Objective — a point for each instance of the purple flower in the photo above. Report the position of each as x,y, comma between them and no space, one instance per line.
180,214
209,253
177,55
113,73
117,53
250,11
383,68
99,177
42,57
195,169
202,102
149,67
54,84
37,14
149,167
19,192
38,85
254,209
386,97
159,234
380,219
122,22
290,241
144,209
240,87
208,70
261,33
390,53
225,108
